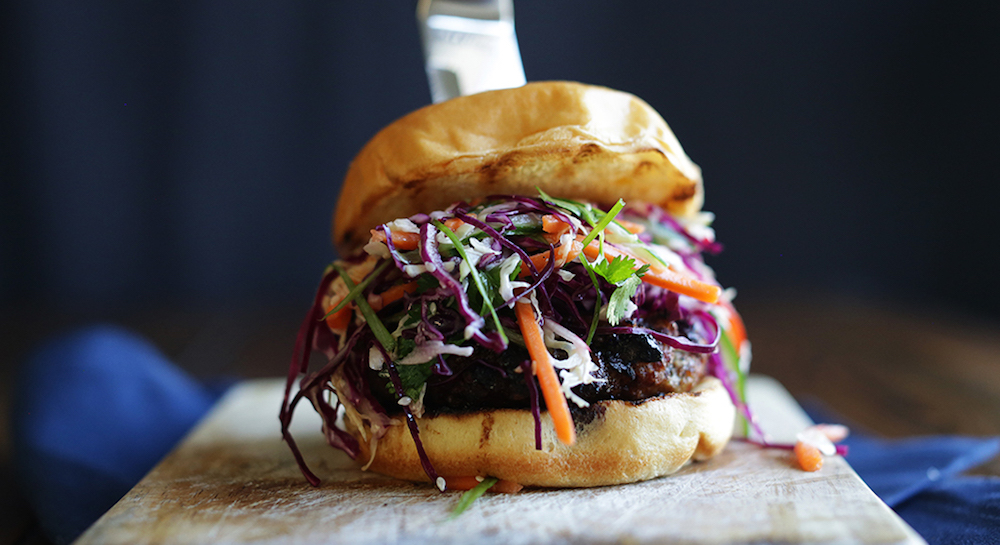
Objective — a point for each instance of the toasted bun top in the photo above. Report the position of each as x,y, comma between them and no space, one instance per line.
569,139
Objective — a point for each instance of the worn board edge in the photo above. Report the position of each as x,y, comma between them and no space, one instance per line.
778,412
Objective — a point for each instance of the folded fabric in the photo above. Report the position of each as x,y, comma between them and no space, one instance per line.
958,510
898,470
918,478
93,411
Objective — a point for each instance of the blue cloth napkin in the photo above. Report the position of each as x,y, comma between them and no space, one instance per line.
93,411
919,478
97,408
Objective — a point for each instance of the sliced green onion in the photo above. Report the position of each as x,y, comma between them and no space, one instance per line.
604,222
729,349
472,495
359,288
597,304
378,328
573,207
474,273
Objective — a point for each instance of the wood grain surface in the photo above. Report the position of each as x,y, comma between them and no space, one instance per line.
233,480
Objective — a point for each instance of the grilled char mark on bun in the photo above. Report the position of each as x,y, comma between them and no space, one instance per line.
623,442
572,140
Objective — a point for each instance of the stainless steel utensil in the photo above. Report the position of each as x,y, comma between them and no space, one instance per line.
469,46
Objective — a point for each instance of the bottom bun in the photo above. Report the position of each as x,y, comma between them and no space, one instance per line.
624,442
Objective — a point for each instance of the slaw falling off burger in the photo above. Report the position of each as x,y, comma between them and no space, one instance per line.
522,297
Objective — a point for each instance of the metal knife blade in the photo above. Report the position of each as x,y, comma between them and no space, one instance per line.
469,46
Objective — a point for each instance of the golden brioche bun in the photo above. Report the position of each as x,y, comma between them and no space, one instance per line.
625,442
571,140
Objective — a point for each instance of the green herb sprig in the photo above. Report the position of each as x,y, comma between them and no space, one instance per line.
378,328
356,290
472,495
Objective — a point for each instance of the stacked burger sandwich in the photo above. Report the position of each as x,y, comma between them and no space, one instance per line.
522,296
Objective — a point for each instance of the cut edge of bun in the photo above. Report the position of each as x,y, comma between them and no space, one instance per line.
624,442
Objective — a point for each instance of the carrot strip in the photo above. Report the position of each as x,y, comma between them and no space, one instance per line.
506,487
461,483
808,456
664,278
685,285
564,254
453,224
401,240
391,295
736,326
554,225
555,401
341,318
631,226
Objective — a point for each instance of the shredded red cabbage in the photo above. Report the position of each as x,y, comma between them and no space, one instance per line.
536,412
842,450
440,310
544,300
411,421
680,343
435,266
701,245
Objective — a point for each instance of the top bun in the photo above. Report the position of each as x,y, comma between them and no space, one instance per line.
569,139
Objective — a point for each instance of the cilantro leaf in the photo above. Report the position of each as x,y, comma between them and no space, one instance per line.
426,282
619,299
404,346
616,270
413,378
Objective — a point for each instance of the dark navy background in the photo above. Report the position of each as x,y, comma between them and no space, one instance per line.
191,152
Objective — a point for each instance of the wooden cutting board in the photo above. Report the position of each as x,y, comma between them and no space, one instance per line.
232,480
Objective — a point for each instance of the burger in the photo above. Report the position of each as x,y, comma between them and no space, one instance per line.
521,295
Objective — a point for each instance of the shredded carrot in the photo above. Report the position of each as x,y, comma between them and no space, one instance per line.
662,277
461,483
656,275
452,223
391,295
564,254
808,456
554,228
554,225
631,226
400,239
341,318
555,401
685,285
468,483
736,327
506,487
